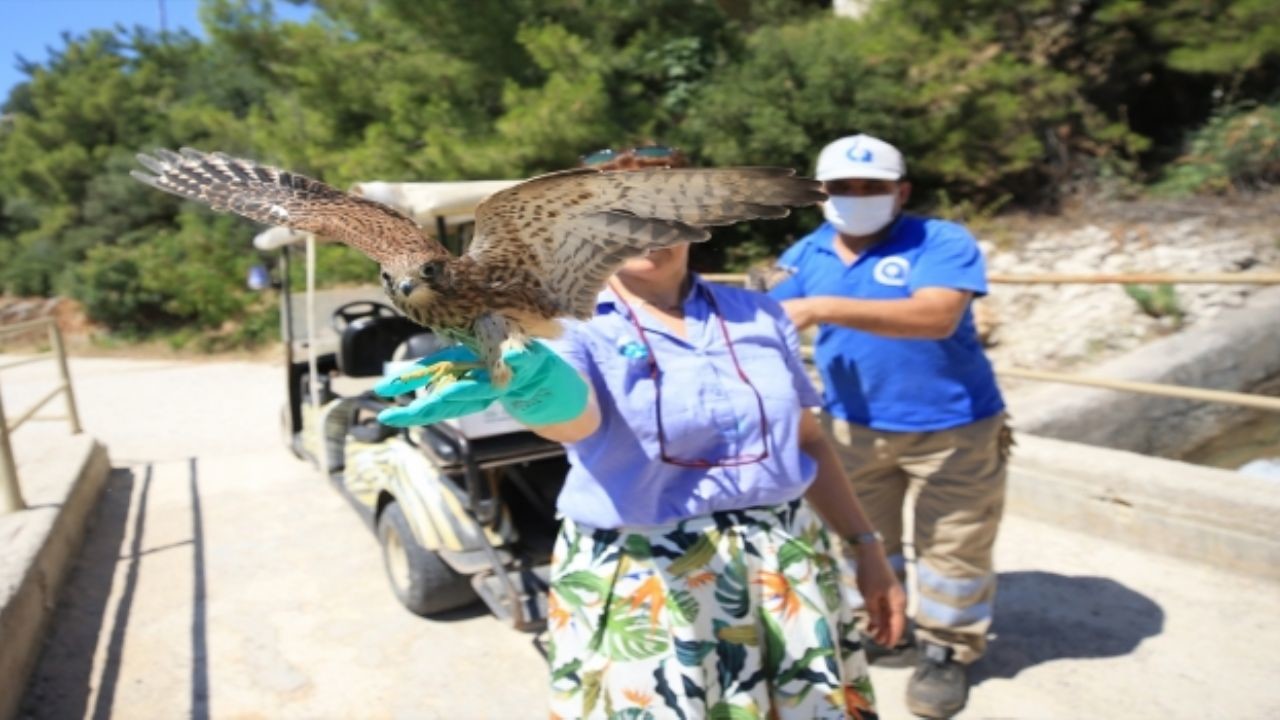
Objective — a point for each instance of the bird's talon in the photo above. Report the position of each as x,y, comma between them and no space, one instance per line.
416,373
441,383
444,373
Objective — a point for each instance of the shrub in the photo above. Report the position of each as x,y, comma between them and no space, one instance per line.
1159,301
159,281
1239,148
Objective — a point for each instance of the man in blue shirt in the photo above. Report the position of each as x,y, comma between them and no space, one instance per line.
911,399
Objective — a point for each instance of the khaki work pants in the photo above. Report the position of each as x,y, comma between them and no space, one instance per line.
937,497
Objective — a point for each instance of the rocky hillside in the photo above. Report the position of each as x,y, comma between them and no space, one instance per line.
1071,326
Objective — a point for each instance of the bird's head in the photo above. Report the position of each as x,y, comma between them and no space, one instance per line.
416,283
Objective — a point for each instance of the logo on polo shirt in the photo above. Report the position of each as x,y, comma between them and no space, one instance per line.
892,271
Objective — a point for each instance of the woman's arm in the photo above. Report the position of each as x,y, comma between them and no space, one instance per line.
579,428
830,492
833,498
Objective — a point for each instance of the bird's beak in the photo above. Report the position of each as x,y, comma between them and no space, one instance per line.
406,287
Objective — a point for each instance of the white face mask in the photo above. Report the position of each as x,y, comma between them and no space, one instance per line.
859,216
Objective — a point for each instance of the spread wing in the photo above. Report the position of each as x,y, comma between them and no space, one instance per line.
573,229
277,197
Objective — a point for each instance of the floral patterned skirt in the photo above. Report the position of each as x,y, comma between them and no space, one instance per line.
732,616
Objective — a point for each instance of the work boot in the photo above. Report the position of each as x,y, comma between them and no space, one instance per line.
939,687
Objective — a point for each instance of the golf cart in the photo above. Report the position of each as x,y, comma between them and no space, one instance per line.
462,508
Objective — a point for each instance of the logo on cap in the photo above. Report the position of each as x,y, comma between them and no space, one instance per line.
853,154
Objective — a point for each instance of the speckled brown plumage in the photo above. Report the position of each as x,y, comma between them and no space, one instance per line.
542,249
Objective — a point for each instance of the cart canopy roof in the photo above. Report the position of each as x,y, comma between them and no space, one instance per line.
456,202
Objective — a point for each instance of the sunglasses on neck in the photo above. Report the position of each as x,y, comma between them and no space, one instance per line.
646,152
655,374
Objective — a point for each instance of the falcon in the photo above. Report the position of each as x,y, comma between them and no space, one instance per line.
542,249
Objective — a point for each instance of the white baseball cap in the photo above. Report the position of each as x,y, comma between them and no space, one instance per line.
860,156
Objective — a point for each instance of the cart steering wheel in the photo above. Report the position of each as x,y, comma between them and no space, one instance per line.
348,313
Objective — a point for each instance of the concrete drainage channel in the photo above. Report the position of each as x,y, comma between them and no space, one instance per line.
1252,448
1240,351
1072,469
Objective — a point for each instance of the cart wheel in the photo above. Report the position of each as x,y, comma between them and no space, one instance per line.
421,580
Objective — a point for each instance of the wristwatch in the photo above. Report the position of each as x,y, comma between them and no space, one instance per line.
865,538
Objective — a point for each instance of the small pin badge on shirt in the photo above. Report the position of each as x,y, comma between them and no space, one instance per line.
632,349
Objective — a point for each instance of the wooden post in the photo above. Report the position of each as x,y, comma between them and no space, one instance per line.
60,355
10,494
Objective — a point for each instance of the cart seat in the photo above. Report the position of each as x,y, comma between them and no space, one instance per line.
451,449
369,342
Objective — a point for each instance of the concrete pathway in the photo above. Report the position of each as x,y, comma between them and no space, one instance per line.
223,578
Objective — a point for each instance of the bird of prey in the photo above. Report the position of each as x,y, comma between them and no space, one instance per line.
542,249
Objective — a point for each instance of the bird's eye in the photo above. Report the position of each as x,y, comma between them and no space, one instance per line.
429,271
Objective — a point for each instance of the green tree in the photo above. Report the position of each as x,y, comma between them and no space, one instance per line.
991,101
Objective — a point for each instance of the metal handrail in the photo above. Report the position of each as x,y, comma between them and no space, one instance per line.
1182,392
1158,278
10,492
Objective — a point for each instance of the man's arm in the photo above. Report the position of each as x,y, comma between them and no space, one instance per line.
931,313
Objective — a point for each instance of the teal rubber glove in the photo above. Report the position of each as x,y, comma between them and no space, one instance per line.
544,389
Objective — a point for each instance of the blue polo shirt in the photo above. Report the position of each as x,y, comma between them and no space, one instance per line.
897,384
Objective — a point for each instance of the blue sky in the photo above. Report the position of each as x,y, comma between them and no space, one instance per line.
30,27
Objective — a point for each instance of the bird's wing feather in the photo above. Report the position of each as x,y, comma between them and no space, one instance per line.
277,197
575,228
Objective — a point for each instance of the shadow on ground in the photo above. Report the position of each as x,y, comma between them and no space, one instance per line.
1041,617
466,612
78,622
86,627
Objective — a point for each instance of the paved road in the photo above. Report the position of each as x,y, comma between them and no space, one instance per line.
222,578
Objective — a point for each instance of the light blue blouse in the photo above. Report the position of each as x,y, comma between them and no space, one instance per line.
618,477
